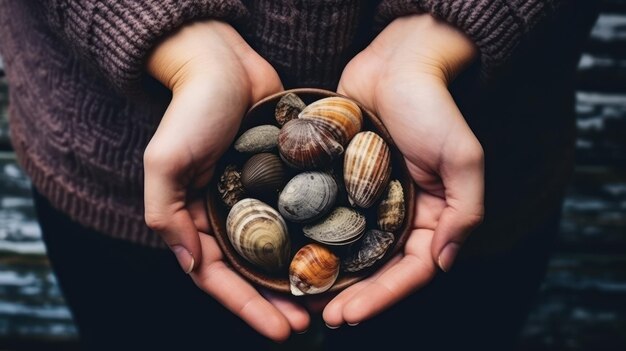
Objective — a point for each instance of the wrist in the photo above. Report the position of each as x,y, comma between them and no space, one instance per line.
433,47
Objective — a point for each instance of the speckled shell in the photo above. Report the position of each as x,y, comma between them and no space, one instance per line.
303,145
313,270
288,108
258,139
391,209
342,226
340,116
366,168
372,248
307,196
259,234
263,174
229,186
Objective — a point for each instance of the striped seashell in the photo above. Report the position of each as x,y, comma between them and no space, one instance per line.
259,234
307,196
263,174
313,270
372,248
342,226
303,145
391,209
340,116
288,108
258,139
366,168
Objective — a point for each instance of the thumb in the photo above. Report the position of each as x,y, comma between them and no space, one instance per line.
464,194
166,212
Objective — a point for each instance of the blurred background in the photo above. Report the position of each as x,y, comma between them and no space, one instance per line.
582,302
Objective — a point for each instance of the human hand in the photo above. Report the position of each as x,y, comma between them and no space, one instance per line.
214,76
403,76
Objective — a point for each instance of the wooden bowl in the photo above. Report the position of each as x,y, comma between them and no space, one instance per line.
263,113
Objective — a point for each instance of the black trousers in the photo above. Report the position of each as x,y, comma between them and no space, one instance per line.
125,296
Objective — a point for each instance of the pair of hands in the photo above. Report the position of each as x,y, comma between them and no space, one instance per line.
402,76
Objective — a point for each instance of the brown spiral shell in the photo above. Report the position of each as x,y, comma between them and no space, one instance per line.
341,117
313,270
303,145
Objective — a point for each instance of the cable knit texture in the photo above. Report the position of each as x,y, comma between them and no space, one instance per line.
82,140
495,26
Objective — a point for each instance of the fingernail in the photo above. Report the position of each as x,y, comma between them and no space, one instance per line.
184,257
447,256
353,324
331,327
302,332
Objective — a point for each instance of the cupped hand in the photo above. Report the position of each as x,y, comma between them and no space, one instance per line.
214,77
402,76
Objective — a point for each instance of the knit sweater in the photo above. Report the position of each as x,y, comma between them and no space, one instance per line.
74,68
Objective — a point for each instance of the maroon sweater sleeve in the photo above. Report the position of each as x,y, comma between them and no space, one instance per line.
495,26
117,35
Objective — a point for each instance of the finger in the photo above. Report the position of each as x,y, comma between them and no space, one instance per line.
237,295
198,212
410,273
464,184
167,215
333,312
297,316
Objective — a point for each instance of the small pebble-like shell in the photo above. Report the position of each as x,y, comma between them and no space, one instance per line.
259,234
288,108
342,226
258,139
303,145
230,187
313,270
372,248
263,174
340,116
391,209
366,168
307,196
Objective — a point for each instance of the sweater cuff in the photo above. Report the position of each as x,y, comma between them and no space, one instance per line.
117,35
495,26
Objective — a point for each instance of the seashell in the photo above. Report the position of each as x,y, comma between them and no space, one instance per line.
372,248
263,174
391,209
303,145
259,234
313,270
230,187
342,226
340,116
288,108
258,139
307,196
366,168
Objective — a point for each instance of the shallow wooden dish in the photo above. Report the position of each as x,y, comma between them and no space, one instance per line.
263,113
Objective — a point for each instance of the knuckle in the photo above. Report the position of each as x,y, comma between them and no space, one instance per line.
155,221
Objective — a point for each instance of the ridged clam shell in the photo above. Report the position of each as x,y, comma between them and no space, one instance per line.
263,174
313,270
258,139
340,116
307,196
303,145
372,248
366,168
391,209
229,186
342,226
288,108
259,234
